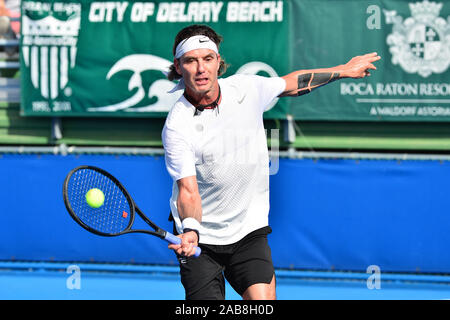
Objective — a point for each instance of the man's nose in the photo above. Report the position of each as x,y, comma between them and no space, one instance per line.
200,67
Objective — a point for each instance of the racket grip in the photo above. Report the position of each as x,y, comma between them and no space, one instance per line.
175,240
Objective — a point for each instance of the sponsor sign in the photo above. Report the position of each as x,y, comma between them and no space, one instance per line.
412,81
103,58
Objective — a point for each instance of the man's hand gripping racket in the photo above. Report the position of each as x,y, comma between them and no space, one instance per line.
115,216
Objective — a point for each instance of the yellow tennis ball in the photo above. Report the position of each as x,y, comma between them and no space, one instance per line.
95,198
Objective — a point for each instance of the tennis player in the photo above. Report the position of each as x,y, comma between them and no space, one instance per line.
216,153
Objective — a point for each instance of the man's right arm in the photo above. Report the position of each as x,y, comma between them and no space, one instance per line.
189,207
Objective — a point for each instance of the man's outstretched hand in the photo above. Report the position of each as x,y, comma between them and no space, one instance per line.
360,66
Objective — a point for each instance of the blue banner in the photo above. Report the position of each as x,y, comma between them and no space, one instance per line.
325,214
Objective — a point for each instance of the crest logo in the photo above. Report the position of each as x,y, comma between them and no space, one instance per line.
421,43
50,35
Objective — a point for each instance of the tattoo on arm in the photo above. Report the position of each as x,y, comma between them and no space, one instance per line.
310,81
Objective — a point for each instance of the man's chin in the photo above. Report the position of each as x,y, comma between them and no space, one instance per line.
201,89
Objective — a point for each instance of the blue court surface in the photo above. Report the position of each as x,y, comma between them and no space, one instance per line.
86,281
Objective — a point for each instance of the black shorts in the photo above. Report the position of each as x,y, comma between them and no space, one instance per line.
243,264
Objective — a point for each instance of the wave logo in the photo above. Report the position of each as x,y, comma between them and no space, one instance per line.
49,44
139,63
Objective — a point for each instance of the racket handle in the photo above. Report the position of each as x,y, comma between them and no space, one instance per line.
175,240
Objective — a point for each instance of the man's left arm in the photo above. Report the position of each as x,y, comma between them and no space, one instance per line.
304,81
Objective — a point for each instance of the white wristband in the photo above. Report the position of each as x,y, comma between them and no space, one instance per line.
191,223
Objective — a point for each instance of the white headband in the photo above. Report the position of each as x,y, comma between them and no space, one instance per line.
193,43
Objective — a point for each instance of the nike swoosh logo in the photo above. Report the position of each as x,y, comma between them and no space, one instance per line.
202,41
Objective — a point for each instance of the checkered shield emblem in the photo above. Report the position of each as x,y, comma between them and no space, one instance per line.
424,42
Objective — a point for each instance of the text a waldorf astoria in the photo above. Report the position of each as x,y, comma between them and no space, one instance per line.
401,93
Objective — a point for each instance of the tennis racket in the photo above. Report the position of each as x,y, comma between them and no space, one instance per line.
116,215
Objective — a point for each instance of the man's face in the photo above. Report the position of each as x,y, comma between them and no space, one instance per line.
199,70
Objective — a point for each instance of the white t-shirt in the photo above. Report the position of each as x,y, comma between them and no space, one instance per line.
226,149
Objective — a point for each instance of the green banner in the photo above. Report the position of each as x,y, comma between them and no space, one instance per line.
108,58
103,58
412,82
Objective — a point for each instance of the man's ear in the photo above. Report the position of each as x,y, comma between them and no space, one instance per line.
218,62
176,63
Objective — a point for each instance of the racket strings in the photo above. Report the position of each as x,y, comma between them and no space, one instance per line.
108,218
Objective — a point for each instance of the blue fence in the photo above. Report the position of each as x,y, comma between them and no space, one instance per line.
325,214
